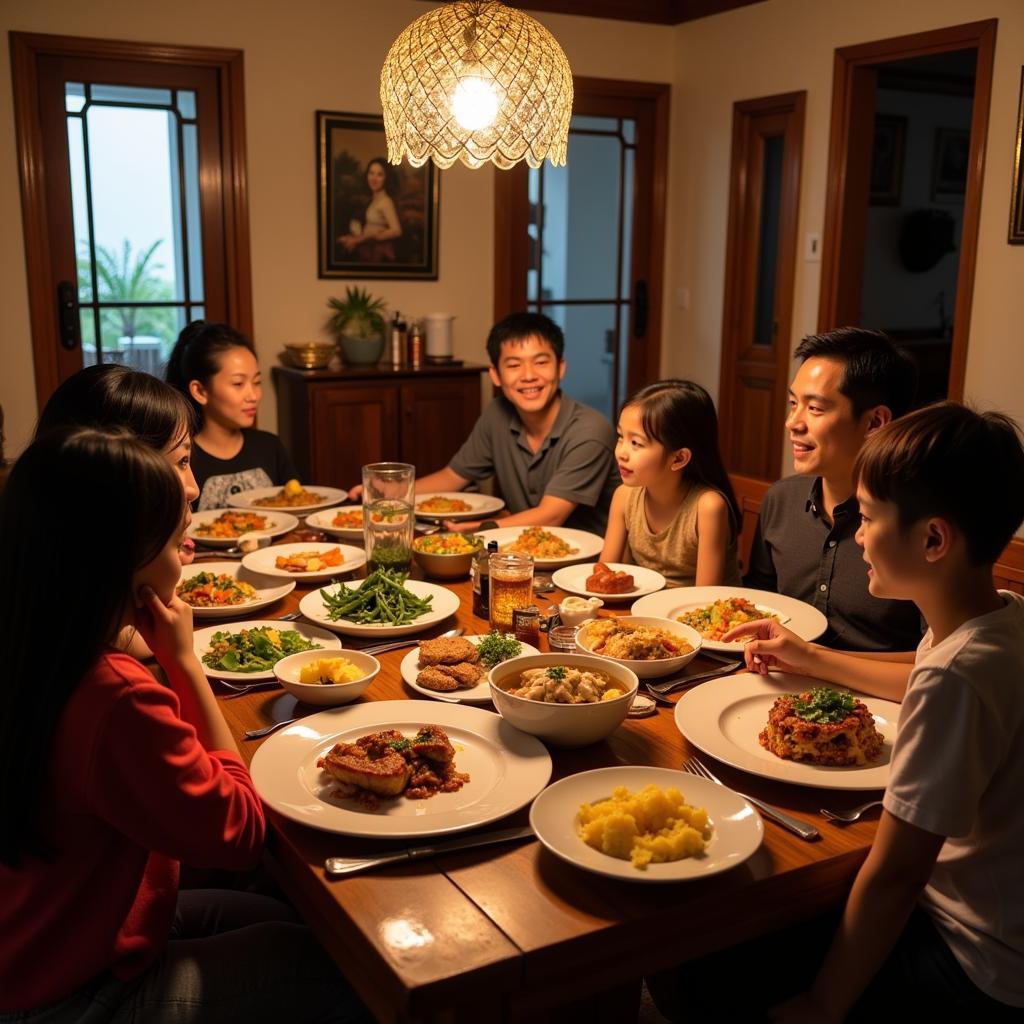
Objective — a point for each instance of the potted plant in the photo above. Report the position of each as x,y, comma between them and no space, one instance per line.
358,325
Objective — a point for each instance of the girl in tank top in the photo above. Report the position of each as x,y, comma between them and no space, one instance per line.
675,511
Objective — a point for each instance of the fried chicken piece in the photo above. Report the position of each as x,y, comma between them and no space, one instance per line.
464,673
432,678
353,765
432,743
447,650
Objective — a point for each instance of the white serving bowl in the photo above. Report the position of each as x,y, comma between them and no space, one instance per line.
563,725
325,694
653,668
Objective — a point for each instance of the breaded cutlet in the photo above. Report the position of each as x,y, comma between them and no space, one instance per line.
432,678
432,743
350,763
465,674
447,650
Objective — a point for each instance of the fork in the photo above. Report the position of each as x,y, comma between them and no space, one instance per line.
800,828
663,689
238,691
848,817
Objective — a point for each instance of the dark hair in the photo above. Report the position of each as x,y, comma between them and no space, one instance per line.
519,327
680,414
197,356
392,183
941,461
46,656
111,395
875,371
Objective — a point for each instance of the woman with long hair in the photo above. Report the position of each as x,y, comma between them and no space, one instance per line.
373,242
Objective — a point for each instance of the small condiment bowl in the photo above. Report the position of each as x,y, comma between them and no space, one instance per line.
325,694
651,668
574,616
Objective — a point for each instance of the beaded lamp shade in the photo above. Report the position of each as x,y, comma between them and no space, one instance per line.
476,81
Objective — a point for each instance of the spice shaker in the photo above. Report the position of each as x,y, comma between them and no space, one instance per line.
416,345
397,341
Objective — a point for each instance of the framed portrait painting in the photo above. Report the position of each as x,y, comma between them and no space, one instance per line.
375,219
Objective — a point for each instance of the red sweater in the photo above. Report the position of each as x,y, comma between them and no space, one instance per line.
132,792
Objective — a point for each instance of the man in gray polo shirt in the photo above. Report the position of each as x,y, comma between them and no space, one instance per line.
850,382
553,457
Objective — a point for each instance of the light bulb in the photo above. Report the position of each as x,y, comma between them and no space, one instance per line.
474,103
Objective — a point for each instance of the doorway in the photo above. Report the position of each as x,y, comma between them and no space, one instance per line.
906,161
584,243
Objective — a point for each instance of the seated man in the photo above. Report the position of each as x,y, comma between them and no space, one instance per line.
554,457
850,382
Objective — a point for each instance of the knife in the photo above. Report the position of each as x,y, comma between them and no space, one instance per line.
336,867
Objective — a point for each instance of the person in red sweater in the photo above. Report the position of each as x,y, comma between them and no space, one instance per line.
109,780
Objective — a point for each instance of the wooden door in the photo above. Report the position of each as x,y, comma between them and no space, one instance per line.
350,425
760,264
437,416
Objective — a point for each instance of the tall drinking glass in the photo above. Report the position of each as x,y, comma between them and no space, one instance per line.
511,587
389,481
387,531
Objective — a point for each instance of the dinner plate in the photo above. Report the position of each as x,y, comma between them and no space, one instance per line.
277,524
724,716
803,619
265,595
737,827
507,769
573,579
322,520
481,693
587,545
480,505
444,603
264,561
247,499
202,638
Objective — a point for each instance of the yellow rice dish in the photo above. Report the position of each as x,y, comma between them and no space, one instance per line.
329,671
651,826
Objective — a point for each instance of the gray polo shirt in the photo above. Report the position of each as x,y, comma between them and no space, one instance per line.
576,461
797,553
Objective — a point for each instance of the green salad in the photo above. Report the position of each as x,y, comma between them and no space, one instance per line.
254,650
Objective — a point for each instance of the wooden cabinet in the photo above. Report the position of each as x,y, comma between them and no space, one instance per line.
334,422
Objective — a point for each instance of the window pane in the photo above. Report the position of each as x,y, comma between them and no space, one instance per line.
131,94
79,209
629,162
768,245
141,338
195,248
596,124
589,347
74,96
187,103
87,325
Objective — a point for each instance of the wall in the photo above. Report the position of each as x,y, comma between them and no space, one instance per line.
784,46
299,57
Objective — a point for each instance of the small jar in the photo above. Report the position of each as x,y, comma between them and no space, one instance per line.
416,345
562,639
526,625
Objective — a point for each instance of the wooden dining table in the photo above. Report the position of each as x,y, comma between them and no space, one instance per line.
511,932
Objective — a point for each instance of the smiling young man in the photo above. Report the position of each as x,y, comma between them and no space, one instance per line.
553,457
850,383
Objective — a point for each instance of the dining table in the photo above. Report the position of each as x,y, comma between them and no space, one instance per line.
510,932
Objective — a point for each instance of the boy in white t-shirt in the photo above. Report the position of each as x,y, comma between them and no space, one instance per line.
935,920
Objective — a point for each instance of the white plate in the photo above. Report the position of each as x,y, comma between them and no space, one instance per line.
573,580
724,716
265,595
277,524
202,637
803,619
246,499
322,521
481,505
588,545
737,827
479,694
264,561
507,770
445,603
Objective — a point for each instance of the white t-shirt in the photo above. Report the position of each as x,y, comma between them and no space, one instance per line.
958,771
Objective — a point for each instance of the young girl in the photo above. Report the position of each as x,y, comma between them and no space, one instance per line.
214,367
109,779
675,511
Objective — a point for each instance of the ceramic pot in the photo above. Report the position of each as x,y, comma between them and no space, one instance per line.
361,351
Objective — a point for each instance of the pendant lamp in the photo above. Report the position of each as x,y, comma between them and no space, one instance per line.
476,81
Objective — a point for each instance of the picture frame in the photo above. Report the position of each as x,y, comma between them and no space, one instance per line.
887,153
950,159
1016,233
362,201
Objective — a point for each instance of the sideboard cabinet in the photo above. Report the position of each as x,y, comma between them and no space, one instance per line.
335,421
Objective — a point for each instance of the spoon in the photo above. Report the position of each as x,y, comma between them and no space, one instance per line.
255,734
849,817
246,543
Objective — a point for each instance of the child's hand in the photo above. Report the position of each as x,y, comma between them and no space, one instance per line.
166,628
356,493
187,551
773,647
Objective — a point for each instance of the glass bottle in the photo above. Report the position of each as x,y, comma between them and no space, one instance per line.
481,580
416,345
397,341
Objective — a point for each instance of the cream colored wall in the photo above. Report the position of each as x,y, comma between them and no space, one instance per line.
299,57
786,45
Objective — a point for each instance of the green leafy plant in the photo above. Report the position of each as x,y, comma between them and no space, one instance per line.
358,316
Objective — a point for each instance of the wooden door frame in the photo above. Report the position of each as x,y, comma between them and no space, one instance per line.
511,206
852,63
791,103
26,50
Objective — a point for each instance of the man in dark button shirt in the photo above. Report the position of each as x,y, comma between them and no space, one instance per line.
553,457
850,382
